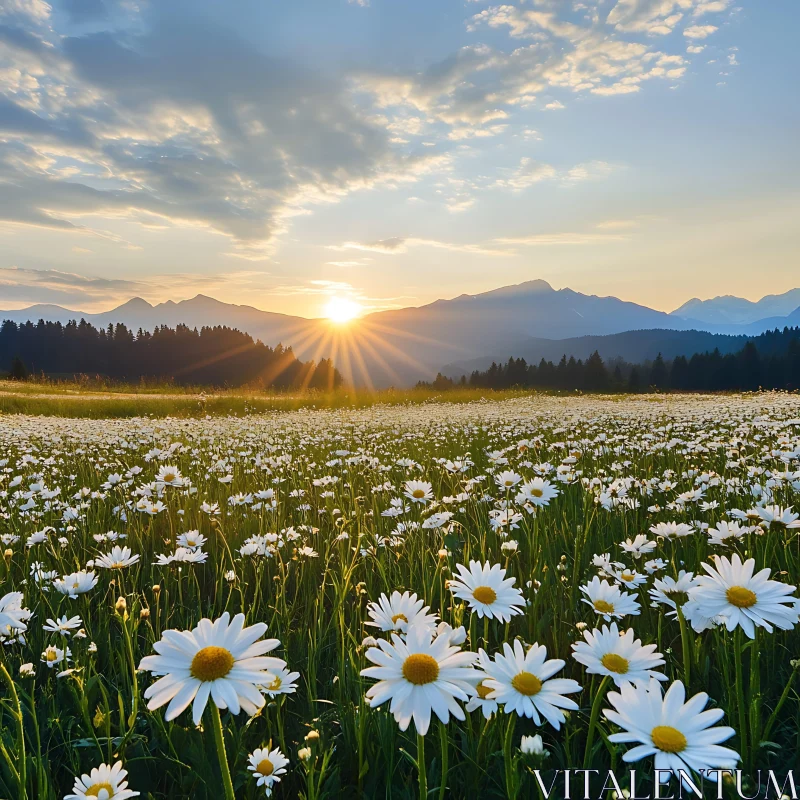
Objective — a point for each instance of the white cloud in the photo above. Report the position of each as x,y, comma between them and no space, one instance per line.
699,31
398,245
554,105
558,239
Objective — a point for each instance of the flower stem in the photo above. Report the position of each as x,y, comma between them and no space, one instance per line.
17,714
511,788
593,717
443,782
737,658
423,775
219,741
687,655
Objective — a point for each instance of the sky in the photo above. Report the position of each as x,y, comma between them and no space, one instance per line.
391,152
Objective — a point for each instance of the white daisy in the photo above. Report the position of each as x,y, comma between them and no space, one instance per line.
283,682
76,583
638,546
733,593
671,530
222,660
537,492
397,612
488,591
608,600
118,558
267,767
677,733
13,617
63,626
102,783
420,675
523,683
620,656
418,491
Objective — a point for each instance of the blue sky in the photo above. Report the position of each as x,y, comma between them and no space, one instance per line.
396,151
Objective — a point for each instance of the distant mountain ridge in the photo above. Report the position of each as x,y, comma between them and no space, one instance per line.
400,347
727,309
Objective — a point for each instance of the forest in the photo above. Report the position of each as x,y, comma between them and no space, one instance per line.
211,356
768,361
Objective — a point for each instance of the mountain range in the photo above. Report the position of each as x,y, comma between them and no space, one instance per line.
530,320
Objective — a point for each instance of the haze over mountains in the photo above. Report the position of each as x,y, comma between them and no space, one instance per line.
530,320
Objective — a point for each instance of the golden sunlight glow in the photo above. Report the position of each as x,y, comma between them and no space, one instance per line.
342,309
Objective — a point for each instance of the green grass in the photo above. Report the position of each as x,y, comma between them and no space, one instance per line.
98,400
317,606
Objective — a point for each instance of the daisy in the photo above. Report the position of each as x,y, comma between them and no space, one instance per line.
619,656
628,577
725,533
191,540
53,656
677,733
398,612
671,530
420,675
488,591
777,518
521,682
267,767
76,583
418,491
740,598
639,546
221,659
283,682
507,480
537,492
13,617
481,700
608,600
62,626
103,783
118,558
169,476
671,592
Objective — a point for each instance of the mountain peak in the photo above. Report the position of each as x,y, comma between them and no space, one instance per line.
135,304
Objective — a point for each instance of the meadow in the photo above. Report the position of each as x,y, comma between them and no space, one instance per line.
396,599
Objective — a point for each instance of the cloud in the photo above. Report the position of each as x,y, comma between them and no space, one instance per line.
180,121
548,239
699,31
398,245
530,172
554,105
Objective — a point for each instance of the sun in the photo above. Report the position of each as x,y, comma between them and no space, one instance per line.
342,309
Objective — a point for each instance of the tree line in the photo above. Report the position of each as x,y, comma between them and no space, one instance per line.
211,356
768,361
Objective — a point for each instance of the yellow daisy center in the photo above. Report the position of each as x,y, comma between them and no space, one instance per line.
399,618
95,789
483,690
627,576
265,767
537,492
211,663
52,655
418,494
526,683
420,668
603,607
668,739
276,684
484,594
614,663
740,597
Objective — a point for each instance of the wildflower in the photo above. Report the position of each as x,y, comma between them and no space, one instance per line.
523,682
619,656
487,590
679,734
76,583
104,783
118,558
221,659
418,491
267,767
398,612
608,600
739,598
532,746
13,616
63,626
419,675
